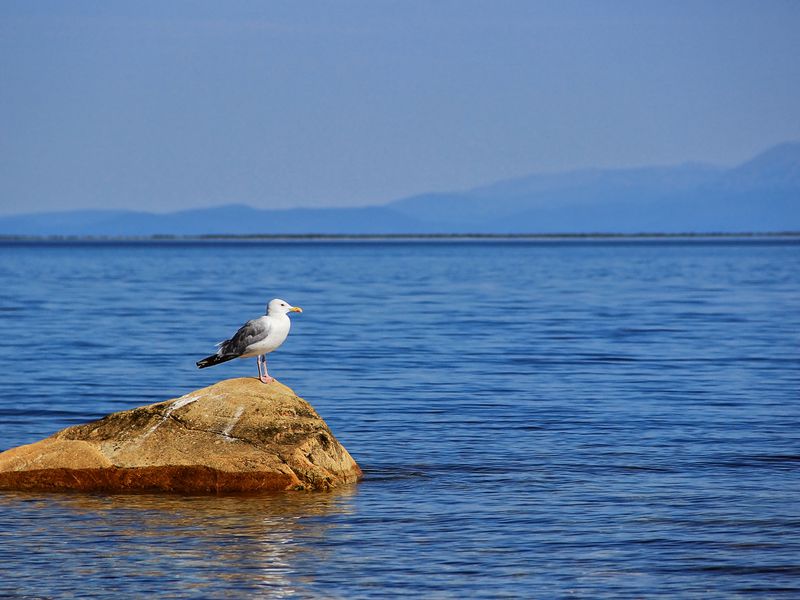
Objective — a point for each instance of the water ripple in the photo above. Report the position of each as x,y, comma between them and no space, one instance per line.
533,419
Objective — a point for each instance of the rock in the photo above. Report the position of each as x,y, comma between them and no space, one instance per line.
238,435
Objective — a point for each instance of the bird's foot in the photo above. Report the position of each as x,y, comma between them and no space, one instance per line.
266,379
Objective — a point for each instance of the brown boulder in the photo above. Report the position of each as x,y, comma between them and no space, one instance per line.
238,435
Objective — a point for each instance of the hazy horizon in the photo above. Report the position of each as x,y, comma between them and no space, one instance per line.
477,186
166,107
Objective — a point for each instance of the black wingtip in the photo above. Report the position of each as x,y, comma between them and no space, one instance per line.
208,361
214,359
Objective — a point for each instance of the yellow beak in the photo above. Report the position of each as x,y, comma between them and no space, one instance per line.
296,309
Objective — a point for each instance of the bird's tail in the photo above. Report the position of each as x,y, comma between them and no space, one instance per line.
214,359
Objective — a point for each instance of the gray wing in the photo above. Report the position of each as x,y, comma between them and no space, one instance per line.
250,333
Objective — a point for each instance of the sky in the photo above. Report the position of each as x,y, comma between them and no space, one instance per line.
164,106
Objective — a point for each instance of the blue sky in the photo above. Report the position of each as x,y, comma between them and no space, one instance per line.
170,105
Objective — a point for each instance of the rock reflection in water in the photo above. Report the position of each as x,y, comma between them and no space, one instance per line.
170,545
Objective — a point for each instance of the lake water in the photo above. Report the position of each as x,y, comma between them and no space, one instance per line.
534,419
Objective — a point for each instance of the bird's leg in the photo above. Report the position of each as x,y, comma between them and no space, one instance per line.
258,362
265,378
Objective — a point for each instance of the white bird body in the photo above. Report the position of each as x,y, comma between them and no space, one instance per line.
257,337
278,330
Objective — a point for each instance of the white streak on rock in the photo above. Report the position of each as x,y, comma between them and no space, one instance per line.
179,403
232,423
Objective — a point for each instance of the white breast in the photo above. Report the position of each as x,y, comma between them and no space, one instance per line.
278,330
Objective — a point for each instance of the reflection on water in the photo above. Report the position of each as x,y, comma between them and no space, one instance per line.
187,545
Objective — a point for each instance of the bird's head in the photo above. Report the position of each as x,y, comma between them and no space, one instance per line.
281,307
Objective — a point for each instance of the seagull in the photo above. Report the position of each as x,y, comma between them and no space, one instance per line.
257,337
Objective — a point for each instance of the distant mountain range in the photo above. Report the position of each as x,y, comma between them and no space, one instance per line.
763,195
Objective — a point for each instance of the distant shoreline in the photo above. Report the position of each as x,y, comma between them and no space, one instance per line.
790,235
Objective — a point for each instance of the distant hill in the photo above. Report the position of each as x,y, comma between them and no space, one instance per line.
763,194
235,219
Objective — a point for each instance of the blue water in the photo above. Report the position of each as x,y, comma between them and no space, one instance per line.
534,419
